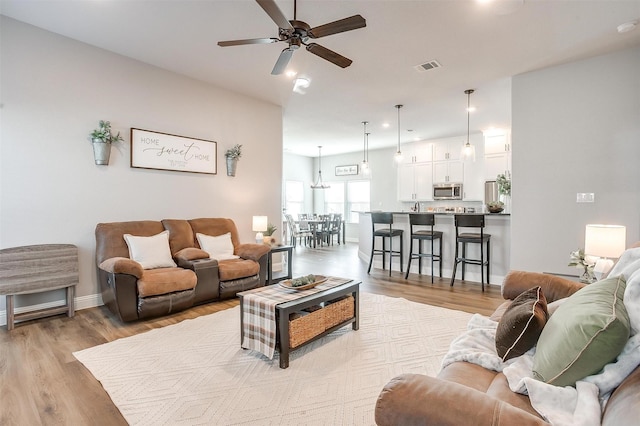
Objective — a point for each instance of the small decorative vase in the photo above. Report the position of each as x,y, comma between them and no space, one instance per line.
231,166
587,276
101,152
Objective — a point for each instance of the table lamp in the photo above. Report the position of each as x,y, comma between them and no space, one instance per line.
259,226
606,242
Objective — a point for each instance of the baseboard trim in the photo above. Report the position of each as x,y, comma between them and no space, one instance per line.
82,302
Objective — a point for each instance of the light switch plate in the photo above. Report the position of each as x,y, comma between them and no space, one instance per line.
585,197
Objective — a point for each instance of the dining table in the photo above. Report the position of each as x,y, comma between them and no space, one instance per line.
313,227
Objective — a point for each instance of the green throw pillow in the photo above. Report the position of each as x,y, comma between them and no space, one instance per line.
586,333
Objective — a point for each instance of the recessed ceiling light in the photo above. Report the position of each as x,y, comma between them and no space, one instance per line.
627,26
300,85
385,125
291,74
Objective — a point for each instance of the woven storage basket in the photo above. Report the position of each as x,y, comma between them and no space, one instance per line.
338,311
306,327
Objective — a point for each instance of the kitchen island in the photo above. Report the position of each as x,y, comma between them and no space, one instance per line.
498,225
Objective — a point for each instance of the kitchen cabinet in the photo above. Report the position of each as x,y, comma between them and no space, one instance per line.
417,152
448,172
447,149
415,182
495,165
497,156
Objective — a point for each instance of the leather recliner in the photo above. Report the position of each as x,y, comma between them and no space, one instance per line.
133,293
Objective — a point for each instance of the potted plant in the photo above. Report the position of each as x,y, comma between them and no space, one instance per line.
268,234
233,154
504,185
504,189
102,138
580,260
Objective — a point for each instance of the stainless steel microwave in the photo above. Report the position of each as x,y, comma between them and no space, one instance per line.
447,191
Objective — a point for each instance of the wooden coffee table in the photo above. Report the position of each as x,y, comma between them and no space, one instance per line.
283,311
331,309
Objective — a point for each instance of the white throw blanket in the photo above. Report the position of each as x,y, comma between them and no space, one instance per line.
560,406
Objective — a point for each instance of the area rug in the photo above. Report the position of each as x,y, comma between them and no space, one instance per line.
195,373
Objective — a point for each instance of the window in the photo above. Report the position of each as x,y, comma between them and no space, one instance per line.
358,199
347,198
294,197
334,198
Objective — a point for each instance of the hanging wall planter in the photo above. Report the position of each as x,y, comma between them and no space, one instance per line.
101,138
232,155
101,152
232,163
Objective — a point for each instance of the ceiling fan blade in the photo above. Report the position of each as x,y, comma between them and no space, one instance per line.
282,62
346,24
275,13
329,55
248,41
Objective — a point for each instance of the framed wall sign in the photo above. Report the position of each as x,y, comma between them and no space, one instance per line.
351,169
153,150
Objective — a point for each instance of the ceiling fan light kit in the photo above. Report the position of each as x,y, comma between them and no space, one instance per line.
297,33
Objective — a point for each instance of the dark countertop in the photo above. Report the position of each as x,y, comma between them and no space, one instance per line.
443,213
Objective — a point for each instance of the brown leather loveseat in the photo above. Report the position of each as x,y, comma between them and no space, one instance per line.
132,292
468,394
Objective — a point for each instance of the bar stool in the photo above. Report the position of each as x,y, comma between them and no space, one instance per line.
424,219
379,218
471,221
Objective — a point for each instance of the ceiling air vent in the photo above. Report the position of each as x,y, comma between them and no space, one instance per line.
428,66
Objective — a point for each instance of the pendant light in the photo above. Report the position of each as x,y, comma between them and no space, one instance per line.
319,184
468,150
398,156
365,150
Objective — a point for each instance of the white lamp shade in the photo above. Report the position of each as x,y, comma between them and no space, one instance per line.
260,223
605,240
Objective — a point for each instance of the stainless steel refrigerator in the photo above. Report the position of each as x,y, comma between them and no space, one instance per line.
491,191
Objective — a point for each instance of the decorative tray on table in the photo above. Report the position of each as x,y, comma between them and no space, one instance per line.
303,283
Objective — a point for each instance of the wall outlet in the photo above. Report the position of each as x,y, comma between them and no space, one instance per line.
585,197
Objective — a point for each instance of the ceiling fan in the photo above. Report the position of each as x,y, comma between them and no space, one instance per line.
297,33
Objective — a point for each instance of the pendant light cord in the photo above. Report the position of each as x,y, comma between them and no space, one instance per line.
364,146
398,107
468,92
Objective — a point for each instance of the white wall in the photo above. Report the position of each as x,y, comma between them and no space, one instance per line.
576,128
54,92
383,179
299,168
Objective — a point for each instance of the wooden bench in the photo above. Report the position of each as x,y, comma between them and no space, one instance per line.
38,268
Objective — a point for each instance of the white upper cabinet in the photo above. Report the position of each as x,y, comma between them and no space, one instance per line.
417,152
447,149
448,172
497,155
415,182
497,144
422,152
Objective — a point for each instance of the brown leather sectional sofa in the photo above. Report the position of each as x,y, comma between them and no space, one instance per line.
468,394
132,292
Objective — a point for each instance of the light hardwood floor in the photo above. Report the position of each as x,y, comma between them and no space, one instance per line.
41,383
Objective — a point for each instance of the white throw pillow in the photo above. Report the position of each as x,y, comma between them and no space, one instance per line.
150,252
219,248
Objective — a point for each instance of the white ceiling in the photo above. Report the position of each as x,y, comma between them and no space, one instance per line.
479,46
